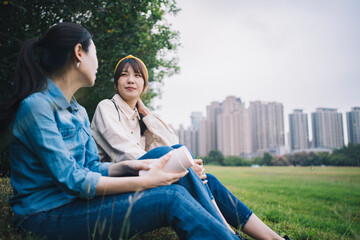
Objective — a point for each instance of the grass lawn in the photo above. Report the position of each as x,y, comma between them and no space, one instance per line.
302,202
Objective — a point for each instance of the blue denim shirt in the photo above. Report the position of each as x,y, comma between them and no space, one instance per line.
54,158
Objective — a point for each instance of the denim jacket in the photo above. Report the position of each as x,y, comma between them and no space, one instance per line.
54,158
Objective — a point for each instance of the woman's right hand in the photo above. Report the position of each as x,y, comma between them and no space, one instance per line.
157,176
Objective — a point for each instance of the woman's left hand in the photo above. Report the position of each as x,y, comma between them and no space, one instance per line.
143,110
199,169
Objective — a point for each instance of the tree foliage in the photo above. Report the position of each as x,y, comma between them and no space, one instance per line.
119,28
267,159
214,157
345,156
236,161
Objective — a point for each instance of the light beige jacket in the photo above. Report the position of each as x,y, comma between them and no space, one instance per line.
119,140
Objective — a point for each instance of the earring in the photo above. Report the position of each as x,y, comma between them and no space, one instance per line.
77,65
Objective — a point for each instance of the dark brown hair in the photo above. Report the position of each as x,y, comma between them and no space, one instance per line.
55,48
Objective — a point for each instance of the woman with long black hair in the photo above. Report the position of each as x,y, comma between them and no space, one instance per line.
61,189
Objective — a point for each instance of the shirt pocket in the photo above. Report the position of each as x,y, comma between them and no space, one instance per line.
67,132
73,141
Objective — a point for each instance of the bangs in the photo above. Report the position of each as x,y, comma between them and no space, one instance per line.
135,64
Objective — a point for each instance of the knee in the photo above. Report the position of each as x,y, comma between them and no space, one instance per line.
180,145
174,189
157,152
177,146
211,177
174,193
212,180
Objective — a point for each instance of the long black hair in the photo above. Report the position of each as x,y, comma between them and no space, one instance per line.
56,47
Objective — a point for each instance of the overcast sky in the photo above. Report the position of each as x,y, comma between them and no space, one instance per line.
302,53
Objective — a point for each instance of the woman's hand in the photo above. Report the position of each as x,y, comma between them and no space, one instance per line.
156,176
143,110
199,169
129,167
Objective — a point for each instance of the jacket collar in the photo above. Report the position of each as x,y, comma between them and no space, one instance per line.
125,108
58,97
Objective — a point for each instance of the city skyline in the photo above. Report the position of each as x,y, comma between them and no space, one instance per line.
236,130
308,117
304,54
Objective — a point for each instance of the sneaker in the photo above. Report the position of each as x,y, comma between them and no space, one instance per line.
286,237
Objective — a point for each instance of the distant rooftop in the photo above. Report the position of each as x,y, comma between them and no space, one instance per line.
326,109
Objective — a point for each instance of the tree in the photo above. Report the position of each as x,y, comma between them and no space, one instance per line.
214,157
323,158
119,28
267,159
347,156
258,161
280,161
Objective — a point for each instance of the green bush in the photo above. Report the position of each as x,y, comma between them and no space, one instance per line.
236,161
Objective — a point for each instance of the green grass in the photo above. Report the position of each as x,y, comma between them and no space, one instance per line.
302,202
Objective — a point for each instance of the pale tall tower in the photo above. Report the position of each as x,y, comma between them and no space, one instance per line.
204,138
181,134
186,137
267,127
196,118
299,131
233,128
194,141
226,133
243,139
353,125
327,128
212,112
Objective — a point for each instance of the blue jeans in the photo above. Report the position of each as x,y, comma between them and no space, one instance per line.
235,212
125,215
185,206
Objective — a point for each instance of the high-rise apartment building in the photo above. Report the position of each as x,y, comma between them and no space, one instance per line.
267,127
188,137
353,125
184,136
212,112
233,128
327,128
299,131
196,118
236,130
204,138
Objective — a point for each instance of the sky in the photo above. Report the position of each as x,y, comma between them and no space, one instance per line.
302,53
